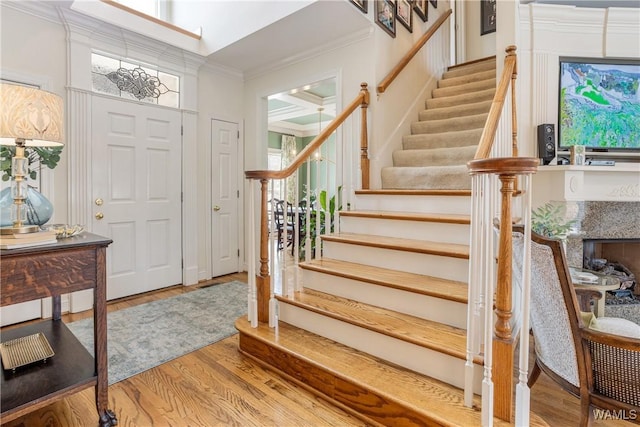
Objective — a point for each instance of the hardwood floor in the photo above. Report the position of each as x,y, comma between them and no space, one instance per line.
217,386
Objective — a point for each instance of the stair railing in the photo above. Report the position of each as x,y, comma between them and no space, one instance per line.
495,171
262,290
386,82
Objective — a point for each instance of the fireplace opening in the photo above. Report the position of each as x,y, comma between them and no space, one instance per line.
619,258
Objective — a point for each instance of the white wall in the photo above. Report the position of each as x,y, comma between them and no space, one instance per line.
35,48
39,57
476,45
365,59
221,97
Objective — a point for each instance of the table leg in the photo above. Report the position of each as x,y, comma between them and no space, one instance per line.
107,417
56,307
600,304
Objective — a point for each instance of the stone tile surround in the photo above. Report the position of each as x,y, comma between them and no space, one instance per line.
601,220
605,220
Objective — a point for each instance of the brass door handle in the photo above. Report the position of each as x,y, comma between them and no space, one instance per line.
99,201
216,208
99,215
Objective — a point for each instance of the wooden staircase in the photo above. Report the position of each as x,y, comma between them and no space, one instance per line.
379,326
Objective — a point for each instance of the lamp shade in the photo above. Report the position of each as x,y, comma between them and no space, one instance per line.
31,114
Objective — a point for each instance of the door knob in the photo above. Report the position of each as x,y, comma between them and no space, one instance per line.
216,208
99,215
99,201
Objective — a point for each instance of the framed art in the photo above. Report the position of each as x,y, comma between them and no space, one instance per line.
404,13
434,3
386,16
487,16
361,4
420,6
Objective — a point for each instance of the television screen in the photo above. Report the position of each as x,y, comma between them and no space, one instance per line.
599,104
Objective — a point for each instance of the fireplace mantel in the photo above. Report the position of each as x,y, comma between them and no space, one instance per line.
619,183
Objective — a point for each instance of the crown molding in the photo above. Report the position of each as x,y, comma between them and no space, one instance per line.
336,44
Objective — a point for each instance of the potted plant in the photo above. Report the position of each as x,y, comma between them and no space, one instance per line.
38,208
550,220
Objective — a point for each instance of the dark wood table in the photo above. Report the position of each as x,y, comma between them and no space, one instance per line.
27,274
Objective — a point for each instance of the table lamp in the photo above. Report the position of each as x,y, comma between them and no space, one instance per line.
29,117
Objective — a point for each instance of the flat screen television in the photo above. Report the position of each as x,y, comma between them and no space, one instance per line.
599,104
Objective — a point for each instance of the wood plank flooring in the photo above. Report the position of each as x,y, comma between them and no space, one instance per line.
217,386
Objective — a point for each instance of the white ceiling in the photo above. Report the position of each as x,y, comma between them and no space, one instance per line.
303,111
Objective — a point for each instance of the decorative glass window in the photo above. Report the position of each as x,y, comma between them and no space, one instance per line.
134,81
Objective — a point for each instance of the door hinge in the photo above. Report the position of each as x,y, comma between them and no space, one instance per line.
181,197
238,253
238,194
238,134
181,130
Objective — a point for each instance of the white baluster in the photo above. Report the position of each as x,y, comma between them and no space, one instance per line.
307,220
472,294
296,236
487,278
286,289
273,239
252,309
317,236
522,389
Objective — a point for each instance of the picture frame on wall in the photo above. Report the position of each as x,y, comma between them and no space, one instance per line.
420,6
386,16
361,4
404,14
487,16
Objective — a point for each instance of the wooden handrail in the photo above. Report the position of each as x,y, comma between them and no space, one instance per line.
386,82
491,126
361,100
263,277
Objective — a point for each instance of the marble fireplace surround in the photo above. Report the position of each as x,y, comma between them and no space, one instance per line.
601,220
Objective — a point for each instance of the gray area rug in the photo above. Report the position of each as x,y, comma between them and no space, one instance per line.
141,337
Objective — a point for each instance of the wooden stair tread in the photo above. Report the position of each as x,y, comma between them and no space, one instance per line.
418,283
411,216
425,333
421,393
382,392
453,250
415,192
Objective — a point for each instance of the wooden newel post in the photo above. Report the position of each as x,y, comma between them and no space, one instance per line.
263,279
503,345
364,139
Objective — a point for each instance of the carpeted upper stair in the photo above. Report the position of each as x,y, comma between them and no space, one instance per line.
446,136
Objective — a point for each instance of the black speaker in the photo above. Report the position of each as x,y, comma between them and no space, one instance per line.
546,143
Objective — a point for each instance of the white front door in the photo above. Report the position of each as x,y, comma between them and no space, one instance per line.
136,177
224,198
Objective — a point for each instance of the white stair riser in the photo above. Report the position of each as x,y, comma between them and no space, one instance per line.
430,265
424,204
420,230
419,359
426,307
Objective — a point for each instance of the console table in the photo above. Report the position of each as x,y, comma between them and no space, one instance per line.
27,274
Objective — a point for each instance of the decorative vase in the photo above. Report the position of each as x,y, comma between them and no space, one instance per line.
38,208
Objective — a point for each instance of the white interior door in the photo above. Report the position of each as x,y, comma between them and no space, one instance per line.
224,198
136,177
